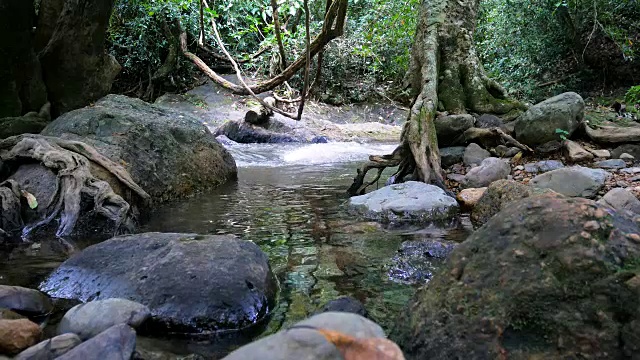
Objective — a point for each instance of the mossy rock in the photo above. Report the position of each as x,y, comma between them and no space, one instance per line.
546,278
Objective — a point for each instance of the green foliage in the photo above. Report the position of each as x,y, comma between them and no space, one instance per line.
525,43
562,133
633,96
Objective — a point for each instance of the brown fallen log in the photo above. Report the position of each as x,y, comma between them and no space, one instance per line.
260,114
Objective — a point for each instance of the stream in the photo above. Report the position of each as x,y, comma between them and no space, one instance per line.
289,199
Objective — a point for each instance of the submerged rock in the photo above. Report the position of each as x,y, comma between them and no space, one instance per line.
546,278
302,341
490,170
191,283
116,343
572,181
539,123
346,304
411,201
168,153
50,348
417,261
90,319
26,301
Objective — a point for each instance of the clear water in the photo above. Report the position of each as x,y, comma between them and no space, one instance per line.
289,199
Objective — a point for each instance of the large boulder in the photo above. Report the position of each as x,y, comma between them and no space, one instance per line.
276,130
191,283
498,195
546,278
572,181
539,123
490,170
302,341
169,154
90,319
411,201
449,128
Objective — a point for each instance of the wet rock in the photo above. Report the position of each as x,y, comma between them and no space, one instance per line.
17,335
474,154
603,154
26,301
625,156
497,196
574,153
168,153
549,147
543,166
611,164
115,343
172,275
468,198
487,121
224,140
411,201
417,261
534,283
451,155
631,149
572,181
490,170
301,341
539,123
10,315
90,319
450,127
51,348
320,140
345,304
273,132
621,199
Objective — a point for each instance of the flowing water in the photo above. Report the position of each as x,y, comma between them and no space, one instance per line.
289,199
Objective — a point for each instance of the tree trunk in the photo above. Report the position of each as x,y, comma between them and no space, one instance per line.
445,75
76,68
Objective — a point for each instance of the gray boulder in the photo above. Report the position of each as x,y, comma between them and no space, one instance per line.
539,123
631,149
451,155
23,300
574,181
168,153
90,319
450,127
116,343
611,164
621,199
301,341
191,283
474,154
490,170
51,348
272,132
409,201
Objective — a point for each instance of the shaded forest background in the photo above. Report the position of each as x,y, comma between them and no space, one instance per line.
534,48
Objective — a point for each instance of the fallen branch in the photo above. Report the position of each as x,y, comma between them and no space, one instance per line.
490,137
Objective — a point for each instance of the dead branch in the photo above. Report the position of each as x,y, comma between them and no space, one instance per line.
276,24
332,28
490,137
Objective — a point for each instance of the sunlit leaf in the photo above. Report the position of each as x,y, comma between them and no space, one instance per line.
31,200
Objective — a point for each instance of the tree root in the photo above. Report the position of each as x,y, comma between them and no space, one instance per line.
490,138
70,160
613,134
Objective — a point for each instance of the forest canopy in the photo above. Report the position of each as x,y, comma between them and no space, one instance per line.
534,48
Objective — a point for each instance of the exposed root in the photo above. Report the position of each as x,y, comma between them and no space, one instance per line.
70,161
613,134
490,138
377,162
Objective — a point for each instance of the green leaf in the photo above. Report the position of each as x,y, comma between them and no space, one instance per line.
31,200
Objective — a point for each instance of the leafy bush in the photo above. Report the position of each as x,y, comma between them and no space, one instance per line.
633,95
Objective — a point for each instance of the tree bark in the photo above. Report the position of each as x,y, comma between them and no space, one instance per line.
76,68
445,74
